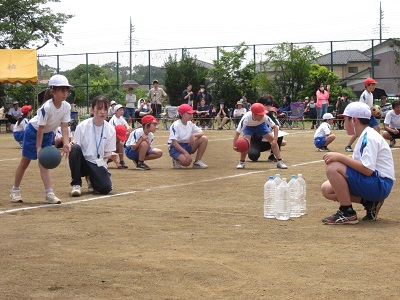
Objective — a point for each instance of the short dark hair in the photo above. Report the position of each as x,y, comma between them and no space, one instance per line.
100,102
395,103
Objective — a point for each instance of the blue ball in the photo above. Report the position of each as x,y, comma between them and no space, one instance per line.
49,157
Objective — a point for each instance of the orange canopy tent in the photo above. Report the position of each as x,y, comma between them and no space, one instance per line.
18,66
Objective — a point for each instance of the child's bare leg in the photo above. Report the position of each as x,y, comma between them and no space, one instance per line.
20,171
154,154
330,139
201,146
45,175
144,146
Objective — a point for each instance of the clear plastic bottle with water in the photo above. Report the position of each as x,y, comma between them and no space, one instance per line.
294,194
282,201
303,194
269,198
278,180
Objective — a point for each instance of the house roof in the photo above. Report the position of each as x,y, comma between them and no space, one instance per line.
343,57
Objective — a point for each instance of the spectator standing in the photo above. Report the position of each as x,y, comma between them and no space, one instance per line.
322,101
129,112
188,96
203,93
156,97
246,103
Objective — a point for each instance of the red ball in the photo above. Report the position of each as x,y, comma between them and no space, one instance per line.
242,144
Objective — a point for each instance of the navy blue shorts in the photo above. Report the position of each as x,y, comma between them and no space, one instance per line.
260,130
371,188
29,147
319,142
134,154
174,153
373,122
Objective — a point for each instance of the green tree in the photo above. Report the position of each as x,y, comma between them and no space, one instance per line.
27,24
232,76
180,73
287,69
319,74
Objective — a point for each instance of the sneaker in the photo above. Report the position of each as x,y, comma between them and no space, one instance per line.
272,158
348,149
15,196
176,164
135,161
341,218
281,165
89,184
51,199
20,144
123,164
241,165
199,165
142,166
372,208
76,191
392,143
323,149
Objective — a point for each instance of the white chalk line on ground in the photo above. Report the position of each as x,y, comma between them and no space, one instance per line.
2,212
155,188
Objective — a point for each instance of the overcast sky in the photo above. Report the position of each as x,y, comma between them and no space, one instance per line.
175,23
98,27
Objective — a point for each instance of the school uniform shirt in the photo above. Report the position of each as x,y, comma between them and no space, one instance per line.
95,139
114,121
21,126
323,130
374,153
51,117
182,133
367,98
392,120
247,120
59,133
136,135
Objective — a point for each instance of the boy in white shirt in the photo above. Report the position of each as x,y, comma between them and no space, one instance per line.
392,124
367,177
323,136
118,119
185,138
138,146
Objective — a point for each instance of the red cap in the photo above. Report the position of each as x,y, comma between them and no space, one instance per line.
370,81
185,108
26,108
149,119
258,109
121,132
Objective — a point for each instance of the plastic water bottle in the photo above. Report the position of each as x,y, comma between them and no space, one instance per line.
282,201
269,198
303,194
278,180
294,194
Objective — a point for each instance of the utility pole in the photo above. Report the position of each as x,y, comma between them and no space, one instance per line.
131,29
380,21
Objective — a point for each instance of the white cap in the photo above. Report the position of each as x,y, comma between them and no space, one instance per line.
118,106
59,80
327,116
357,110
113,102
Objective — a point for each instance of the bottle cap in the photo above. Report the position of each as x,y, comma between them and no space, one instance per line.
271,177
293,176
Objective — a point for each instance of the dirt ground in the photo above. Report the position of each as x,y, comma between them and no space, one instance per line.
192,234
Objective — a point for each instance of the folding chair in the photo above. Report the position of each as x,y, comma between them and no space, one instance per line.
170,115
296,115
